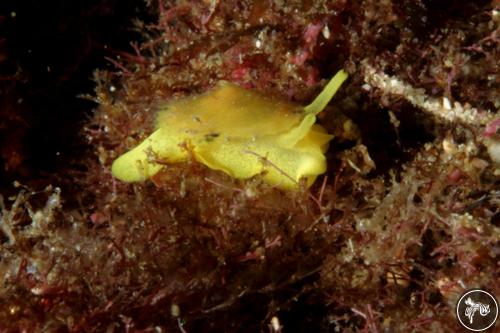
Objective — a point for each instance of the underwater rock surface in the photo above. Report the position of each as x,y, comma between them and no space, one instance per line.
404,220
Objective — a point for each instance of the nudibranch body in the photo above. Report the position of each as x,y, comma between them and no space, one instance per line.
239,132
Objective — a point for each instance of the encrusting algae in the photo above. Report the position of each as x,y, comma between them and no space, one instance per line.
239,132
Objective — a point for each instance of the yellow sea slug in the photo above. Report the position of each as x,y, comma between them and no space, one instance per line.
239,132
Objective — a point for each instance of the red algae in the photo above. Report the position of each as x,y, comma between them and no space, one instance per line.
403,222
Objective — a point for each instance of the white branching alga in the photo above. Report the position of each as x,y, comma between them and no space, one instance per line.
441,108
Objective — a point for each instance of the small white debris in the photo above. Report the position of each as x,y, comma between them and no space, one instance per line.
275,324
449,145
175,311
13,14
493,150
326,32
112,88
37,291
351,245
394,120
354,166
446,103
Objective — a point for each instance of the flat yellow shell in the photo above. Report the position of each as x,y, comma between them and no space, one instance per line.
239,132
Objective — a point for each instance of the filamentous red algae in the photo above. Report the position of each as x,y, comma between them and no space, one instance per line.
404,221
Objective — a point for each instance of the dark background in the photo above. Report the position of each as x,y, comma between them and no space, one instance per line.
48,53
